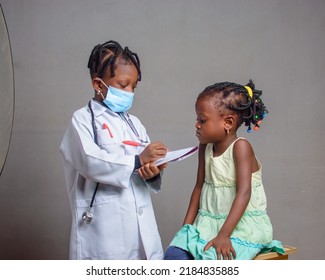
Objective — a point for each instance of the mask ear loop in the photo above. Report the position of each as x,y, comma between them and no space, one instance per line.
98,91
102,83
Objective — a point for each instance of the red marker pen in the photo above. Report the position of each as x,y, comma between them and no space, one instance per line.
133,143
105,126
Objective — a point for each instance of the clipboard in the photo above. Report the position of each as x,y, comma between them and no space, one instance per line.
177,155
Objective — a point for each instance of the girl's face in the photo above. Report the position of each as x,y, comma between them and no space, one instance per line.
126,77
210,124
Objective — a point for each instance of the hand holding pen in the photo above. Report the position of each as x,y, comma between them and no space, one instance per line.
152,152
149,155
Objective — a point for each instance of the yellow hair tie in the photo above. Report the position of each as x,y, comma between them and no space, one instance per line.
250,92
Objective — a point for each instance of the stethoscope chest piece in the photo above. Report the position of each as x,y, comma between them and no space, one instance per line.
87,217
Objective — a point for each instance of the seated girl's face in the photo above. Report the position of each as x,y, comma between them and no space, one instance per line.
210,125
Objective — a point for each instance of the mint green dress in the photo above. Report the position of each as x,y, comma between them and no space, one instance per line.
252,234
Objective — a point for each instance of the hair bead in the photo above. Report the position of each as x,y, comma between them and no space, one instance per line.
249,90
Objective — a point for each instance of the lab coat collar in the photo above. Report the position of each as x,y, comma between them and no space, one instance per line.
100,109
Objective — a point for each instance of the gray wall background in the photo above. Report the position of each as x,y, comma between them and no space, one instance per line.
184,45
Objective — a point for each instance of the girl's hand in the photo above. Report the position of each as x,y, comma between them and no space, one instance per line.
152,152
150,170
223,247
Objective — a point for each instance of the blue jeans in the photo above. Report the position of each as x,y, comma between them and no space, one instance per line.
175,253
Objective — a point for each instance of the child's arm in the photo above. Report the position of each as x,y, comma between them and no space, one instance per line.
195,198
245,164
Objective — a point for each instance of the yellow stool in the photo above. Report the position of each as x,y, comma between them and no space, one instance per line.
275,256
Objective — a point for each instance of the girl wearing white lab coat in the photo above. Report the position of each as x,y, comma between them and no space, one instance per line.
123,225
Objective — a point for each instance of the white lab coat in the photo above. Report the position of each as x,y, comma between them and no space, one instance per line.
123,225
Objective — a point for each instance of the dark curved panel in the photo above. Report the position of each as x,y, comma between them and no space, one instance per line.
6,91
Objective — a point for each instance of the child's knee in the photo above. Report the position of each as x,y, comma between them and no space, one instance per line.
175,253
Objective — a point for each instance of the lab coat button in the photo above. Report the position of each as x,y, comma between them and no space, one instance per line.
140,212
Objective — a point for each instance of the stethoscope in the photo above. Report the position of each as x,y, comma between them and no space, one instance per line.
87,216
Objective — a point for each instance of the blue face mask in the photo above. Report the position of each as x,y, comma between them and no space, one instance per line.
118,100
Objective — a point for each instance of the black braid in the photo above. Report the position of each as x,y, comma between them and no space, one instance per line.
103,56
235,97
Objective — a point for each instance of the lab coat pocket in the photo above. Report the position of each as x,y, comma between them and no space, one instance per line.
105,137
103,237
105,140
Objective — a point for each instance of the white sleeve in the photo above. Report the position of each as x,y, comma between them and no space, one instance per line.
79,150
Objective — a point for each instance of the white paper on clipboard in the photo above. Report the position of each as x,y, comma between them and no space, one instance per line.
177,155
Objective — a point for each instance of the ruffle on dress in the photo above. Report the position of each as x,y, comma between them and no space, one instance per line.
188,238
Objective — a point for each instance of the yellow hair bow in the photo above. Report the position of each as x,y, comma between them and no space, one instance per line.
250,92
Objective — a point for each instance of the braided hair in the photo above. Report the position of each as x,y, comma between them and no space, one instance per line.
245,101
103,56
